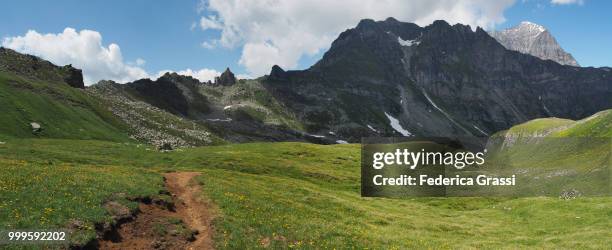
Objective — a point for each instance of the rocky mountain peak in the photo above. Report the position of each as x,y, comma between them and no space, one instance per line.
177,78
226,78
530,27
533,39
277,73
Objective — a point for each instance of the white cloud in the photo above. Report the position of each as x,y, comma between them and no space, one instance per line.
210,22
203,74
83,49
282,31
567,2
140,62
209,44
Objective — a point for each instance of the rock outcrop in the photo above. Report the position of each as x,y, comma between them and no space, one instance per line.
277,73
227,78
73,76
34,67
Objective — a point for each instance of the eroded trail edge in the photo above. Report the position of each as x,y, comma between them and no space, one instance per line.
189,205
185,222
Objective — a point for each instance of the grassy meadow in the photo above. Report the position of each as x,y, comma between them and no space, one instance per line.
280,195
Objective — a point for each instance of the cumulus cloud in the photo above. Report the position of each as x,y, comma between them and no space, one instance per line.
83,49
210,22
203,74
283,31
567,2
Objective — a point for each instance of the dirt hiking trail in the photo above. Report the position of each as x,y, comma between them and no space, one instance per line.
185,224
191,208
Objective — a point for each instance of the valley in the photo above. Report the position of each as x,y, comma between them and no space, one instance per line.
274,162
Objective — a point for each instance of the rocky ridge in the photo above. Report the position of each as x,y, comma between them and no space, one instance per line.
34,67
148,123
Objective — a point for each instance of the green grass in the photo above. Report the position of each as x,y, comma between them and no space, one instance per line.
50,195
293,195
597,125
541,125
62,111
576,153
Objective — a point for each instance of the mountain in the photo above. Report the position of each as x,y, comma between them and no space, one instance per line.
198,113
535,40
381,78
395,78
148,123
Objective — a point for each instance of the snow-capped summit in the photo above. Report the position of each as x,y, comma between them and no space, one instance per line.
531,27
534,39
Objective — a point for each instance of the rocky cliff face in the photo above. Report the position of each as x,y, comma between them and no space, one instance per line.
174,93
535,40
73,76
394,78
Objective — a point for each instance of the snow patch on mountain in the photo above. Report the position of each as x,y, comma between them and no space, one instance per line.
395,124
316,136
449,117
372,128
407,43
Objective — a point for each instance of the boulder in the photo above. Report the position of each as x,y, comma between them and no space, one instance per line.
164,146
36,128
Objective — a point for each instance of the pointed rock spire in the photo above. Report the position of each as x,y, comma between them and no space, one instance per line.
227,78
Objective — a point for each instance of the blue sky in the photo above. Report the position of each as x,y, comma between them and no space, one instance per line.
168,35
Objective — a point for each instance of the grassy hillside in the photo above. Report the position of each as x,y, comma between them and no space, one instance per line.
62,111
554,154
285,195
597,125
